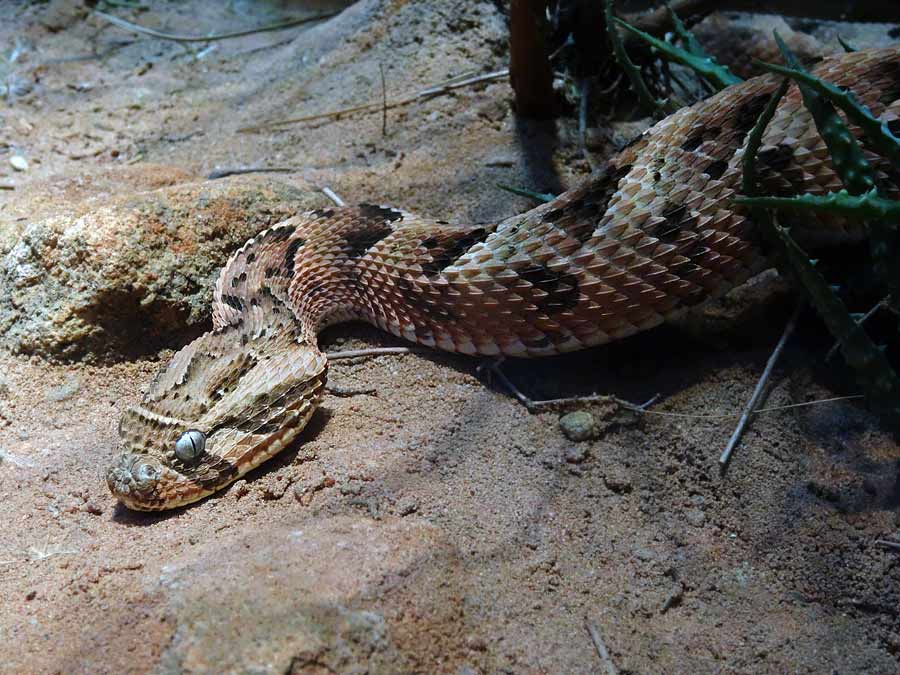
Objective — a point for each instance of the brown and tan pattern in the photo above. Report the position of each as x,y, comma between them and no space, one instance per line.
651,235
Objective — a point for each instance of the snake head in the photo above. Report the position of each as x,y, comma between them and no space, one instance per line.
224,404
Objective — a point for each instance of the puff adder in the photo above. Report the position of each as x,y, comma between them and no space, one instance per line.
650,235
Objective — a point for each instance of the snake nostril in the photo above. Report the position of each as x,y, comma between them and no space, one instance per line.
144,472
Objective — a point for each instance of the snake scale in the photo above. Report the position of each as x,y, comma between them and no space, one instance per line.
650,235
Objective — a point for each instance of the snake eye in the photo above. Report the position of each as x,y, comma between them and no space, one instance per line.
190,445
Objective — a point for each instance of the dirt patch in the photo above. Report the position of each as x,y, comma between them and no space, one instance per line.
433,525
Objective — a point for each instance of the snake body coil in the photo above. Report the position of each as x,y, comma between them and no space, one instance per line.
652,234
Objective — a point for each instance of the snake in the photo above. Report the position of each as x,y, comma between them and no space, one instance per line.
649,235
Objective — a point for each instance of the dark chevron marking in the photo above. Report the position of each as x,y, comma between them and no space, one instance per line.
585,211
409,294
278,233
446,252
695,141
290,254
234,302
748,113
380,212
562,289
777,158
362,240
716,169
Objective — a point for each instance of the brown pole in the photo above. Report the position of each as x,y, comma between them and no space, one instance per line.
529,67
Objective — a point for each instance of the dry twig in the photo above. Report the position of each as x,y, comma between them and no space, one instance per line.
374,351
430,92
760,388
222,173
599,645
885,543
884,302
383,101
174,37
333,196
532,405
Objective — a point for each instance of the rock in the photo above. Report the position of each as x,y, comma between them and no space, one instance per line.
617,480
288,599
19,163
353,488
60,14
695,517
578,426
135,274
304,489
575,454
64,391
407,506
644,554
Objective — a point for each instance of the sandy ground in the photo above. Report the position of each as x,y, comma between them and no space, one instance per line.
431,524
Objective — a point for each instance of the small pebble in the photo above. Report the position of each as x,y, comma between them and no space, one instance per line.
19,163
695,517
476,644
644,554
578,425
407,506
64,391
351,489
576,454
617,481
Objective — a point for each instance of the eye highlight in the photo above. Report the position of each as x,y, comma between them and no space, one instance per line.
190,445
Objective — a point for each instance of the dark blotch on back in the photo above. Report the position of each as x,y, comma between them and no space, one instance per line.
278,234
777,158
670,230
435,311
692,143
365,238
561,289
716,169
581,215
618,173
890,91
233,301
749,112
290,254
696,140
380,212
445,253
323,213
